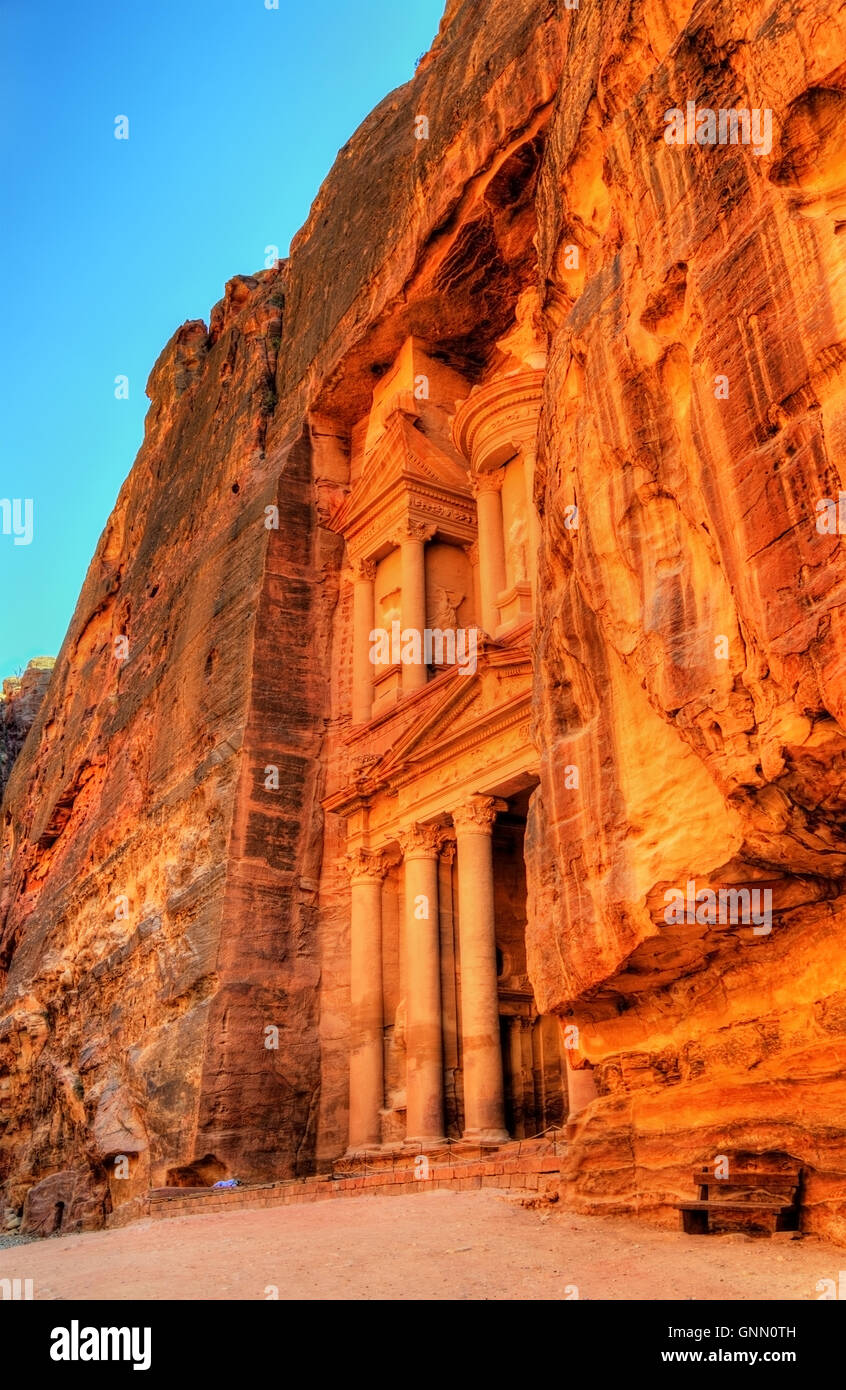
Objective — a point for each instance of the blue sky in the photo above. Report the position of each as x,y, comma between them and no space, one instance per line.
235,115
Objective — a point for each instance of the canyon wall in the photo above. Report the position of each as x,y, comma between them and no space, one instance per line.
20,699
690,639
138,979
161,908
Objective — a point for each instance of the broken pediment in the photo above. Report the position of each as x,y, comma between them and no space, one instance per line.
404,468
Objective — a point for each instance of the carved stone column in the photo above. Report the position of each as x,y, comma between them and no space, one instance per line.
412,542
487,490
420,845
484,1100
516,1027
367,871
363,618
449,982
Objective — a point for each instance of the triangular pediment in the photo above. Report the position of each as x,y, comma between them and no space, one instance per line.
430,462
466,707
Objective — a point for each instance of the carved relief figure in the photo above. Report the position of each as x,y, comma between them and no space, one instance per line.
445,612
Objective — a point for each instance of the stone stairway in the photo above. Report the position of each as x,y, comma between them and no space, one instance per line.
530,1165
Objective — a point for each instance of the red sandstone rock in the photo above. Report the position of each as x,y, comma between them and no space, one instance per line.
67,1201
159,904
696,520
19,702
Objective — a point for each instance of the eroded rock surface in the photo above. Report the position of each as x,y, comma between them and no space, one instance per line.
19,702
159,907
690,639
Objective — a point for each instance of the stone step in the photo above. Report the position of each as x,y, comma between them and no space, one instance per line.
450,1153
530,1172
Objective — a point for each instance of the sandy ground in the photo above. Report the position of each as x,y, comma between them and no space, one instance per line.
442,1245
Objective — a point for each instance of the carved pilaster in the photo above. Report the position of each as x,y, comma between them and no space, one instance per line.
487,489
364,575
529,452
484,1103
366,869
412,536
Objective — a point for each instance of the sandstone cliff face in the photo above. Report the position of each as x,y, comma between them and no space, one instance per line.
159,906
20,699
130,978
690,639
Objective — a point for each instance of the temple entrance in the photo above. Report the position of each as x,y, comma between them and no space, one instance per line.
534,1063
534,1068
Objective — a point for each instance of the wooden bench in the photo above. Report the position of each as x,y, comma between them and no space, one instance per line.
771,1197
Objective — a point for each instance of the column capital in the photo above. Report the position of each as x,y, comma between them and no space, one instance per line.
478,814
421,841
487,482
364,569
472,553
365,865
529,451
411,530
